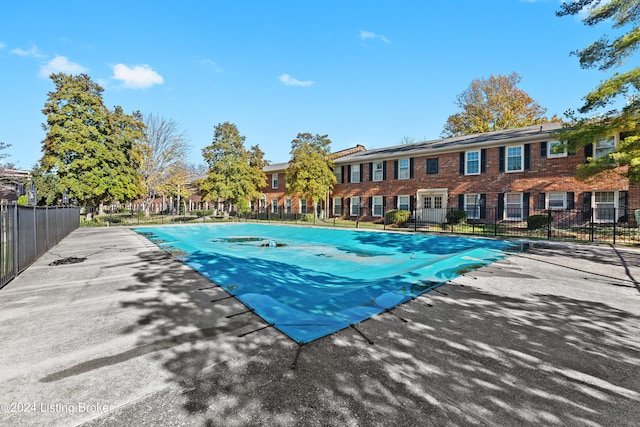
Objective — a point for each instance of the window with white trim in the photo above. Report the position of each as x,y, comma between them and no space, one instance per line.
515,159
378,171
376,208
303,206
274,180
604,147
274,205
605,206
513,206
556,200
403,169
403,203
337,171
337,206
355,173
472,163
355,206
556,149
287,205
472,205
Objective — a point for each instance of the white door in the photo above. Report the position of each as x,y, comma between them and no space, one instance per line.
431,208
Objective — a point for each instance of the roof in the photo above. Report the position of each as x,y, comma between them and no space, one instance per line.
480,140
337,155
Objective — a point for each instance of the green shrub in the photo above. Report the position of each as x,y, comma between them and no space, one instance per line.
307,217
201,212
399,218
22,200
535,222
456,217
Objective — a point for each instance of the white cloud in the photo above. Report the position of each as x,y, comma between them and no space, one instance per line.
34,52
213,65
290,81
2,46
365,35
60,64
137,77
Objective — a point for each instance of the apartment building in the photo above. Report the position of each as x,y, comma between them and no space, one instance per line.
508,174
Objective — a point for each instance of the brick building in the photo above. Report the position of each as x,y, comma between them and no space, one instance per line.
509,174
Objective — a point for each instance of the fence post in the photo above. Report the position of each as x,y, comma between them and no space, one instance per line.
591,222
549,218
495,221
615,221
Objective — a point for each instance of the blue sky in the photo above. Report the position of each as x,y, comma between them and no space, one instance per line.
363,72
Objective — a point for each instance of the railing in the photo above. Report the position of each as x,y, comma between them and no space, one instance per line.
26,233
606,225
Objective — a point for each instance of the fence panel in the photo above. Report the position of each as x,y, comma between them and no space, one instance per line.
8,243
26,233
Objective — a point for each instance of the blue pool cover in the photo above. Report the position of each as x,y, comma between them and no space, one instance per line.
311,282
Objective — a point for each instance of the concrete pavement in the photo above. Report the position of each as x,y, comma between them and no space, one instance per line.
129,337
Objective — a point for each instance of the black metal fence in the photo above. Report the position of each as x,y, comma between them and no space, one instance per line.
602,224
26,233
606,225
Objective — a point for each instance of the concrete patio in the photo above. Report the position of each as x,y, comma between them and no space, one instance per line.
130,337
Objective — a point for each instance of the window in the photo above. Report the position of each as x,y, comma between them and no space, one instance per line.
403,203
604,147
355,206
403,169
355,173
556,149
274,180
472,163
337,206
376,208
513,206
472,205
378,171
556,200
515,159
274,205
337,171
605,206
303,206
287,205
432,166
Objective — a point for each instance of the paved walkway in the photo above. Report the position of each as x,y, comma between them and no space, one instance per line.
130,337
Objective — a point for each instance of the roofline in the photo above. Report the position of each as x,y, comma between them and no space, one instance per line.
453,144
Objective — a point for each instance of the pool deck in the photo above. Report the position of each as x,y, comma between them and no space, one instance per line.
131,337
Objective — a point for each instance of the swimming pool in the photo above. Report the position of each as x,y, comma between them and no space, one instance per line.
310,282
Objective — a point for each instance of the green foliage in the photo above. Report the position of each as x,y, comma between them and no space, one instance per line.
536,222
92,152
605,54
201,212
22,200
456,217
243,207
494,104
397,217
307,217
234,173
310,170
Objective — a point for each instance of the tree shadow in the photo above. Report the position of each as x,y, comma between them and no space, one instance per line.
464,356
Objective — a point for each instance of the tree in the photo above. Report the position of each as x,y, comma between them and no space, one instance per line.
494,104
3,146
234,173
92,152
310,170
606,54
163,165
